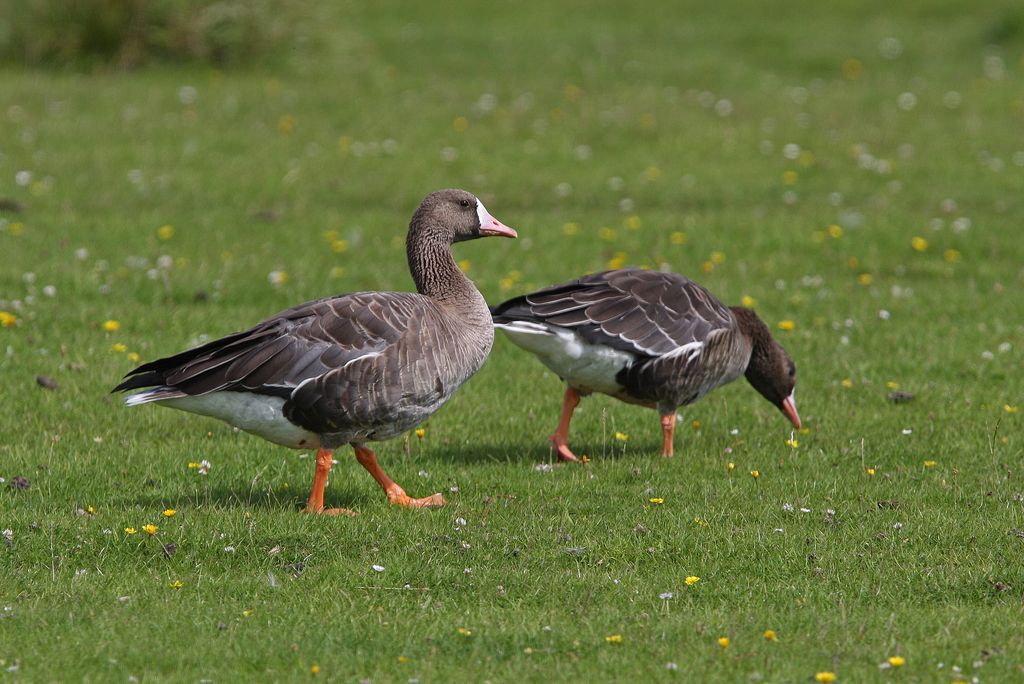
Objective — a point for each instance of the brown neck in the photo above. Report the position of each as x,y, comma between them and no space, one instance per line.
754,329
434,269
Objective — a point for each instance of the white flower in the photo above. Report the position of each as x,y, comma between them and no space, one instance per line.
377,568
666,595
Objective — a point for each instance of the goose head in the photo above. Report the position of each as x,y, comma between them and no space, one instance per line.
456,215
771,371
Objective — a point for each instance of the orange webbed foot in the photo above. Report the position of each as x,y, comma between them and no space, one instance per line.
398,497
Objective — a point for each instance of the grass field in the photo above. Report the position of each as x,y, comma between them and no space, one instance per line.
855,168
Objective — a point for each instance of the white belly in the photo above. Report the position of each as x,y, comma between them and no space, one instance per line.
256,413
588,367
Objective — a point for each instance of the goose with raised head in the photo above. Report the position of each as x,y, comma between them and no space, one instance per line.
350,369
655,339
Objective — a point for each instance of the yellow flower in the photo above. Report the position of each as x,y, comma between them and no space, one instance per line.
732,466
806,158
717,258
1009,408
134,357
652,173
7,319
621,436
247,612
790,177
870,471
892,384
464,632
403,659
755,474
339,246
606,234
464,265
769,635
150,529
677,238
835,231
176,584
852,69
825,677
119,347
421,432
460,124
847,383
853,262
865,279
111,325
657,500
169,512
787,324
165,232
314,669
952,256
723,642
90,510
16,228
632,222
792,443
571,228
897,661
691,580
929,464
286,124
747,301
614,639
696,425
918,243
707,267
617,261
130,530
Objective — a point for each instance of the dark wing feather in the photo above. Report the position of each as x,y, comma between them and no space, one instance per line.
278,354
632,310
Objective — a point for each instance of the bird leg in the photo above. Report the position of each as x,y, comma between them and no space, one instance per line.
668,428
324,460
560,440
396,495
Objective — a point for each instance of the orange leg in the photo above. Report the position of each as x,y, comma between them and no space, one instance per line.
560,440
396,495
324,460
668,428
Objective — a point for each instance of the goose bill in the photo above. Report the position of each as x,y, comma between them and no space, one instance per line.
492,226
789,408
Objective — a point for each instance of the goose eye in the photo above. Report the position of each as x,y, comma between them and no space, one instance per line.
464,204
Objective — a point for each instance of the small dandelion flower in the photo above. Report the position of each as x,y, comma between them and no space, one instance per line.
314,669
870,472
571,228
951,256
892,385
847,383
165,232
865,279
691,580
277,278
403,659
897,661
614,638
134,357
656,500
919,243
7,319
825,677
339,246
421,433
632,222
606,234
176,584
464,632
792,443
787,324
790,177
835,231
731,466
717,258
286,124
852,70
929,464
119,347
247,612
677,238
90,510
464,265
755,474
769,635
460,124
110,325
130,530
747,301
169,512
724,642
621,436
150,529
695,424
1009,408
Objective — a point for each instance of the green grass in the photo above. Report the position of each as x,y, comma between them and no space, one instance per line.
620,105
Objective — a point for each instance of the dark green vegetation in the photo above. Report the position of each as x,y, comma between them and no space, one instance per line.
855,170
